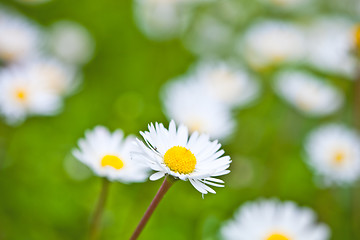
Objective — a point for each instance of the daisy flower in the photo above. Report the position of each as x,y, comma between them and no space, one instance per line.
19,39
71,42
184,102
55,75
272,42
274,220
330,42
230,85
108,155
334,153
172,152
309,94
22,95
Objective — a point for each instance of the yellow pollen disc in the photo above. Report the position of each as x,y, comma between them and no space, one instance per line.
20,94
112,161
357,36
180,160
339,157
277,236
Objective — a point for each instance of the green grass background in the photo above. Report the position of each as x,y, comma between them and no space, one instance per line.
39,199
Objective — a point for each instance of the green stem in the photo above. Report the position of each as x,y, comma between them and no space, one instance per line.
168,182
96,219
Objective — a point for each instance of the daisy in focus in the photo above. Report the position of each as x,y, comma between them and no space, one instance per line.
228,84
331,41
53,74
272,42
22,95
185,102
309,94
173,152
19,39
108,155
274,220
334,153
71,42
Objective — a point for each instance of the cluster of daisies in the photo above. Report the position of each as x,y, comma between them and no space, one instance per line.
38,67
301,57
172,151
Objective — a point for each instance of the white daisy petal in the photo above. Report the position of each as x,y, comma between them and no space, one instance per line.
156,176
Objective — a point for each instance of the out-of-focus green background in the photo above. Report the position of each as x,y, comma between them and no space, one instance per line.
46,194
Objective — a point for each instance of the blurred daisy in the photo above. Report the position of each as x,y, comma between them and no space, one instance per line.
173,152
330,42
108,155
71,42
272,42
274,220
334,153
19,39
162,19
309,94
228,84
185,102
22,95
58,77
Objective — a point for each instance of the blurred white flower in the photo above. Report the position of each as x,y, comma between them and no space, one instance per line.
21,94
209,36
108,155
330,44
272,42
191,158
71,42
274,220
162,19
309,94
58,77
227,83
184,101
19,38
334,153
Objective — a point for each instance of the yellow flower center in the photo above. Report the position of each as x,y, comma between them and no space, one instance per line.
357,36
277,236
20,94
180,160
112,161
339,157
